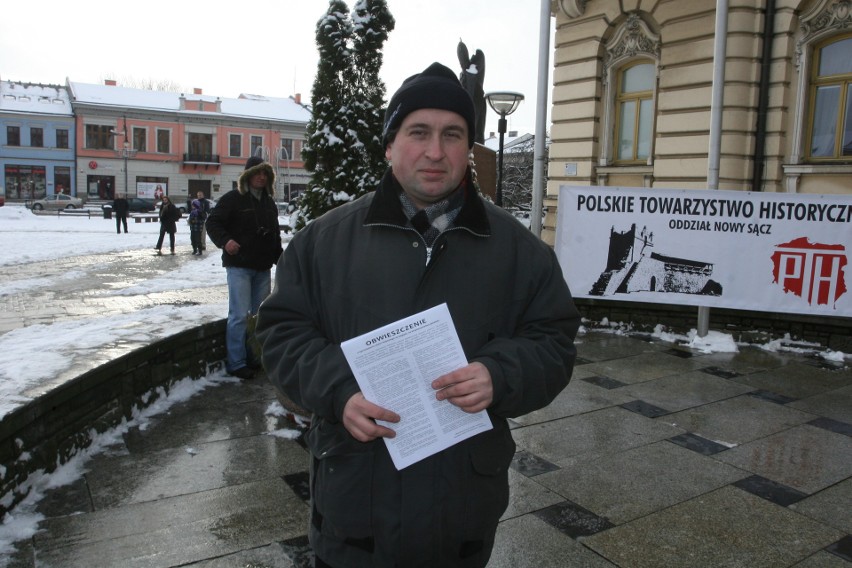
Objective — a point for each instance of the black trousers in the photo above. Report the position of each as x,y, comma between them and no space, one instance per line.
162,236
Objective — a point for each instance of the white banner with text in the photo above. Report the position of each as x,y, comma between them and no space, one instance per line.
773,252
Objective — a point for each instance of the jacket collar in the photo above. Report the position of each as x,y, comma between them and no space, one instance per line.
387,210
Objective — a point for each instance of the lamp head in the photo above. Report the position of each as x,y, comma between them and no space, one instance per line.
504,102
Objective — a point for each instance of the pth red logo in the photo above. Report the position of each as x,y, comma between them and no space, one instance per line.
812,271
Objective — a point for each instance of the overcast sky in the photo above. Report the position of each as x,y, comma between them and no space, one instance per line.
262,47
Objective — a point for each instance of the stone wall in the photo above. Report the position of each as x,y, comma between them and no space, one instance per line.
48,431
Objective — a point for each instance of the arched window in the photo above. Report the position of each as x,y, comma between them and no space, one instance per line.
634,112
629,78
830,113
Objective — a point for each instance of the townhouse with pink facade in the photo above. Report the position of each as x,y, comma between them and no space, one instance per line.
142,143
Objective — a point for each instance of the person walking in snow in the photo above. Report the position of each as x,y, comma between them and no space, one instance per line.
424,237
169,215
244,224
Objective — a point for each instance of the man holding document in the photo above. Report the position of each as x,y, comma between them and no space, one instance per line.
437,302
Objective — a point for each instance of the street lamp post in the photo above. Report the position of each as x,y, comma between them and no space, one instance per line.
287,164
503,103
124,153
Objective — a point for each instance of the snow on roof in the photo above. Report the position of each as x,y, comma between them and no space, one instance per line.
34,98
247,106
510,143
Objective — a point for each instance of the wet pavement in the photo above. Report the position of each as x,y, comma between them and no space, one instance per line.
654,456
84,286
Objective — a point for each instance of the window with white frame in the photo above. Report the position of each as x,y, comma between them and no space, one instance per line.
630,83
634,111
830,112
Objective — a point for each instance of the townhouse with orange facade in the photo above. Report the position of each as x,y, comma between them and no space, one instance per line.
141,143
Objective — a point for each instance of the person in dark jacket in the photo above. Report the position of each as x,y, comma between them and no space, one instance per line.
120,208
423,238
205,212
244,224
169,215
196,226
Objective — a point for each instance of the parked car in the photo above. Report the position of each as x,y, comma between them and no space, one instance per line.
136,205
141,205
57,201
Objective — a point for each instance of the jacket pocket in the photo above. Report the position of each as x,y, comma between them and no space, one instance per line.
342,481
488,485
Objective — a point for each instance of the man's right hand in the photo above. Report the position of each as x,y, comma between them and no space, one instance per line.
359,419
232,247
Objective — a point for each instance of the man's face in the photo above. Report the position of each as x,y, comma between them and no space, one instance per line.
258,180
429,154
200,195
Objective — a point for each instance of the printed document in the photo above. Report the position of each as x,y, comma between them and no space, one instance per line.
395,366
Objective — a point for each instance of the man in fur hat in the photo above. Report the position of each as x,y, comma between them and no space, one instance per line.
423,238
244,224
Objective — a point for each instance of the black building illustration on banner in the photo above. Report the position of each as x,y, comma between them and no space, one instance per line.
631,270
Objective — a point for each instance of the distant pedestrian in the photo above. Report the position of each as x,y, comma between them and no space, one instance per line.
196,226
120,208
169,215
205,212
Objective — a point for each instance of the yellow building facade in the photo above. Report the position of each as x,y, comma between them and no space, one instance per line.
633,96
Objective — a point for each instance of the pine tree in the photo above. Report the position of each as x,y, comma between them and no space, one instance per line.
343,149
324,151
372,23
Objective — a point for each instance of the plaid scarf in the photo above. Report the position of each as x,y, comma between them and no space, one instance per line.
435,218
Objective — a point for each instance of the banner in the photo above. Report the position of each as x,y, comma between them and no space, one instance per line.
773,252
151,190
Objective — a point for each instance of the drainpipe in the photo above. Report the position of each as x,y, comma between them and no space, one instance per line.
716,106
763,98
541,118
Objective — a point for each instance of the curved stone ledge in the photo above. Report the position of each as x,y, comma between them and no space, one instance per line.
51,429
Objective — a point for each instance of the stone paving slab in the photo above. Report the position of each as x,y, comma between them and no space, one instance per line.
604,431
645,367
684,390
174,531
805,458
627,485
754,418
727,528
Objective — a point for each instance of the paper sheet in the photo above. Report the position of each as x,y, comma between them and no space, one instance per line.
395,366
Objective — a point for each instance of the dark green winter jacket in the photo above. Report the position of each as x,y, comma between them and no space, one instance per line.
361,266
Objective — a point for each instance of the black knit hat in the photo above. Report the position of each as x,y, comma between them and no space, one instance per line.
253,161
436,87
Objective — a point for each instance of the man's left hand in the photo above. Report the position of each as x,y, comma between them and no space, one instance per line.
469,388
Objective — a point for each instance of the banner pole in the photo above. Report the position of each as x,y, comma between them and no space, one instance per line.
716,107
